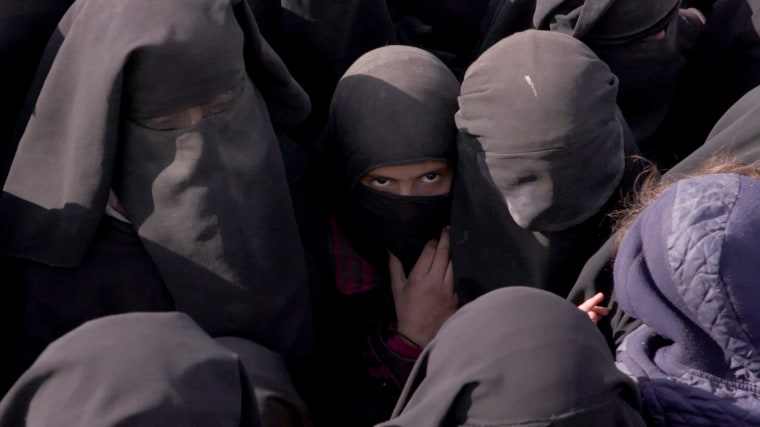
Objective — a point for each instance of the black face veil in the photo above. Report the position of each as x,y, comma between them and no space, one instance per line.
171,105
616,30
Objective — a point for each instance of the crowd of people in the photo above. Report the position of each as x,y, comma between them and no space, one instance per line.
380,212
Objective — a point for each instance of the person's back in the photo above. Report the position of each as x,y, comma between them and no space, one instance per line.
687,268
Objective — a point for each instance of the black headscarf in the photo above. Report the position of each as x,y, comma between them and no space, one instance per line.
209,200
542,150
395,105
517,357
152,369
614,29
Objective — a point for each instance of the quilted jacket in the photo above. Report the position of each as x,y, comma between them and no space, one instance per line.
689,269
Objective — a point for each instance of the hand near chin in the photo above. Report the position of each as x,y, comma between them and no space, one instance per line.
425,299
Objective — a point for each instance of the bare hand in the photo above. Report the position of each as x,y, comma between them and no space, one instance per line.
426,299
592,308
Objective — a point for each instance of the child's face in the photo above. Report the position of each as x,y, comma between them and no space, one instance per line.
430,178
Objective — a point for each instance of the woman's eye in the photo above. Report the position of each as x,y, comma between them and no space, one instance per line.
380,181
179,120
431,177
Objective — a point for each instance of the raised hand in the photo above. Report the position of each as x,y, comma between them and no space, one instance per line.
425,299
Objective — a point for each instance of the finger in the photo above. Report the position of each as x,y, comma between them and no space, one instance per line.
601,311
442,256
448,277
591,302
398,278
425,261
593,316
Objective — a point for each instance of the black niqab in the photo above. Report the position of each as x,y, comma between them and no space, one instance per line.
208,196
614,30
394,106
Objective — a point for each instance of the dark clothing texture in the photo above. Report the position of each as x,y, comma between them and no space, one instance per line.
116,276
450,29
543,170
318,40
616,31
687,269
174,107
153,369
723,65
516,357
734,137
354,276
394,106
502,19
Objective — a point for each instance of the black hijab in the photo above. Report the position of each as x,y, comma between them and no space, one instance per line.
394,106
542,150
517,357
209,198
614,29
152,369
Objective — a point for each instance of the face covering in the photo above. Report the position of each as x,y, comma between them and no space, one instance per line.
403,224
173,105
394,106
647,70
555,152
614,30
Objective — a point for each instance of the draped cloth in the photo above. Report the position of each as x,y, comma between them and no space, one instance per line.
513,357
173,106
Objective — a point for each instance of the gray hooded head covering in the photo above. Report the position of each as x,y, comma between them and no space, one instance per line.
542,150
152,369
517,357
541,108
172,105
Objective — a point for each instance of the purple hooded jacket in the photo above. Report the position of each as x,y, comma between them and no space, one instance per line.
688,269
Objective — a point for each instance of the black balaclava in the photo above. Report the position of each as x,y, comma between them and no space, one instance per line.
542,151
517,357
394,106
614,30
205,189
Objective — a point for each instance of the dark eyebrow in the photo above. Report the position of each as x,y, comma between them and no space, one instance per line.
373,176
